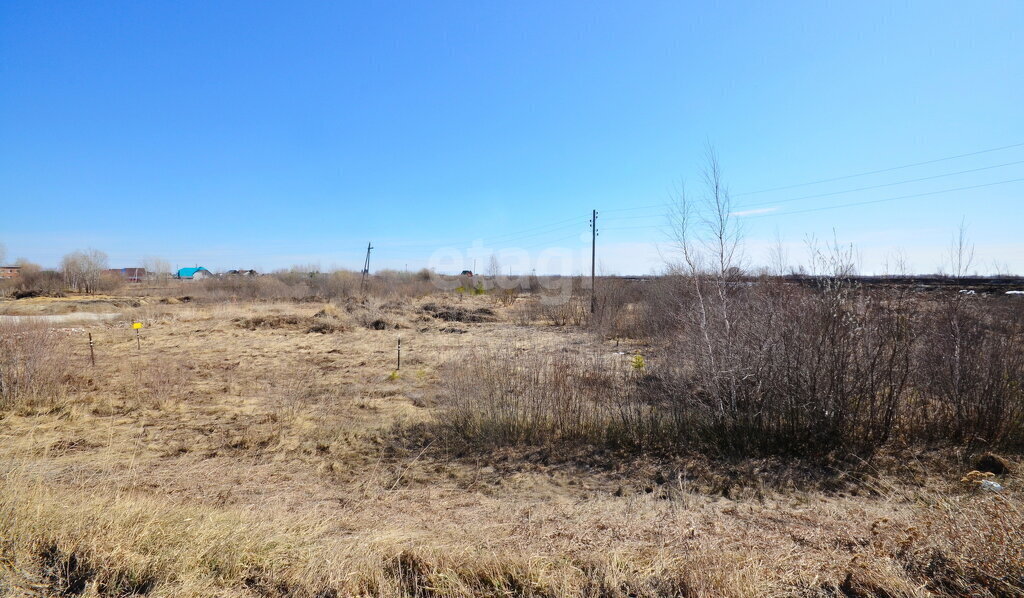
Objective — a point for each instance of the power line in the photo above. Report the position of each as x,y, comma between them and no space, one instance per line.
573,225
873,201
552,241
509,237
634,208
917,180
846,205
862,188
879,171
647,227
850,176
641,216
573,220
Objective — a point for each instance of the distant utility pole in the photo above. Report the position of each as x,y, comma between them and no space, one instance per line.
366,267
593,259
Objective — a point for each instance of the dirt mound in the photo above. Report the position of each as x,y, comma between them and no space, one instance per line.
32,293
992,463
375,315
273,321
328,320
459,314
326,327
321,323
328,311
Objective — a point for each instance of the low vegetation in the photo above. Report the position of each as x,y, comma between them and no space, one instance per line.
704,434
769,369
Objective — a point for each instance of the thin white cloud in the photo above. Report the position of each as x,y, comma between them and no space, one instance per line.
752,212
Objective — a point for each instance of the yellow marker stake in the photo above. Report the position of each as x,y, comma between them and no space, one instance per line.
138,341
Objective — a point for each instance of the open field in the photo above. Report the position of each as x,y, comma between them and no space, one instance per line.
271,448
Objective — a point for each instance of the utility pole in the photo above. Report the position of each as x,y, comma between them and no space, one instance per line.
366,267
593,260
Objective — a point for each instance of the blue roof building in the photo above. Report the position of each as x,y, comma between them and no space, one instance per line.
193,273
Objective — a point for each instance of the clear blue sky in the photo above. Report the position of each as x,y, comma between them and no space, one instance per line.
262,134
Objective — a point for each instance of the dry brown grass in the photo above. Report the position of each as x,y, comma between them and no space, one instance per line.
34,367
271,461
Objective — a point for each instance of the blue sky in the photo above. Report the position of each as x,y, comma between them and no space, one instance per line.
266,134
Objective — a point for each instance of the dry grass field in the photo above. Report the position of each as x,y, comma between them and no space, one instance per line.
273,449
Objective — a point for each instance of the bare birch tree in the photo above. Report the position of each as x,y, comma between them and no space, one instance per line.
83,270
156,267
708,237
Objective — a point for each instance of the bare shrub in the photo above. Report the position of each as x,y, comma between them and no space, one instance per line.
806,366
506,297
971,367
813,370
526,311
623,308
760,367
564,311
508,398
33,281
972,363
241,288
309,285
34,367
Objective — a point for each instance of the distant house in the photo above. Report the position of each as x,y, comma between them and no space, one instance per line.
129,274
7,272
466,273
193,273
242,273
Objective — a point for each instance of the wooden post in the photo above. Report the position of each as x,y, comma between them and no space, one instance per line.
593,260
366,268
399,354
138,339
92,354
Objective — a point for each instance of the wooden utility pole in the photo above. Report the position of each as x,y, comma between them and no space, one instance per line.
593,260
366,267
